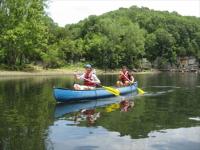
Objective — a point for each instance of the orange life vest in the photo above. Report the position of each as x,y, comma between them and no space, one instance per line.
125,76
88,76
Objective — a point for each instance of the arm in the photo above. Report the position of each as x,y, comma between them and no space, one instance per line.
96,79
80,77
132,78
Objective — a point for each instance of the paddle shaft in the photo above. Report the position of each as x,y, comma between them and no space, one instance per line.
127,78
109,89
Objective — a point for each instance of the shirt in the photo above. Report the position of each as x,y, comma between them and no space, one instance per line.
94,78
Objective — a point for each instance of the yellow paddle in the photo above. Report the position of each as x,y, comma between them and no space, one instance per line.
114,91
139,90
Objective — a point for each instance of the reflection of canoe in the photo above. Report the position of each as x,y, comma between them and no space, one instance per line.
64,95
65,108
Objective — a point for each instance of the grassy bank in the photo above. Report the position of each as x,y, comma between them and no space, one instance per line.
68,70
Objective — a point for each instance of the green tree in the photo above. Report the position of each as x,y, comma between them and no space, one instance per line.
23,33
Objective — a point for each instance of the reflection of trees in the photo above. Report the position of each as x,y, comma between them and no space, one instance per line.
26,108
124,122
149,114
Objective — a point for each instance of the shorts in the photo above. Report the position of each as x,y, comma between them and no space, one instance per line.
83,87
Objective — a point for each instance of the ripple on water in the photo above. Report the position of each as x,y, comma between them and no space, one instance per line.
158,86
151,94
195,118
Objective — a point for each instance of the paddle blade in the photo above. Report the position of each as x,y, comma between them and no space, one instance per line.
140,91
115,106
112,107
108,109
116,92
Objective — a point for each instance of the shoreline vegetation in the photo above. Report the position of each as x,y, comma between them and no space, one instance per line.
77,69
135,37
64,71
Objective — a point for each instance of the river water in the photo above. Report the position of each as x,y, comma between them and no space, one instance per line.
167,116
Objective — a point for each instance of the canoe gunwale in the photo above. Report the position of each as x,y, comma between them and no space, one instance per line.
134,84
77,90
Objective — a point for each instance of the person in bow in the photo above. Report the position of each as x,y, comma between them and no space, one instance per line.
125,77
89,78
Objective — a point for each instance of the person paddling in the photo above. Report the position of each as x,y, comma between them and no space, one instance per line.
90,80
125,77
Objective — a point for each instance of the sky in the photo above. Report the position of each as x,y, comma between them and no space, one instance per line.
72,11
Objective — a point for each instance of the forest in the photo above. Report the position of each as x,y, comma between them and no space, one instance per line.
121,37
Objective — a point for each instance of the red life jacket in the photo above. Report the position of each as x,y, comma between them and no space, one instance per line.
125,76
88,76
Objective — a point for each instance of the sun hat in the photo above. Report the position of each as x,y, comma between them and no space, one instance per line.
88,66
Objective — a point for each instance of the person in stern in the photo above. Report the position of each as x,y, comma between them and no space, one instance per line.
89,78
125,77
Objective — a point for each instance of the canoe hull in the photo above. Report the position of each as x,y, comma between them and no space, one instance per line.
70,107
65,95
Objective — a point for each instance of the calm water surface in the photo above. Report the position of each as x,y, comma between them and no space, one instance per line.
167,116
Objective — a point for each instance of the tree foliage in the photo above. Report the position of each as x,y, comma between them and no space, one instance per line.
121,37
23,32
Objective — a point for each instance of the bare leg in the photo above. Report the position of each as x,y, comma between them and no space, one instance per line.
119,83
83,87
126,83
77,87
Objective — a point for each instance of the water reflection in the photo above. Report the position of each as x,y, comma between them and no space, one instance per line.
89,111
124,106
88,115
66,108
26,112
167,105
166,116
99,138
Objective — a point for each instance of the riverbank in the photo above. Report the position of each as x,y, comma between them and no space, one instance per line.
68,71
